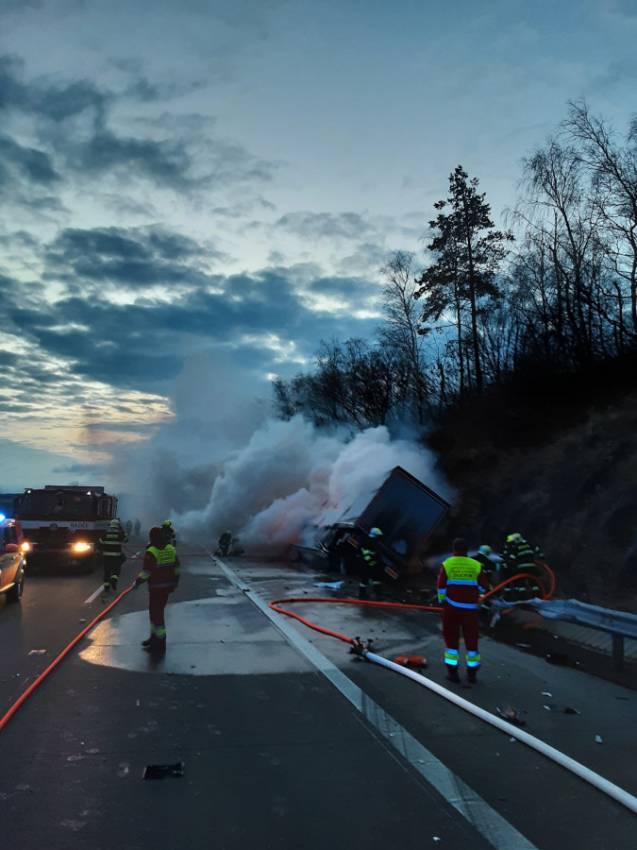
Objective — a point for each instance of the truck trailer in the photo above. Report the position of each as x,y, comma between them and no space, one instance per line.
406,511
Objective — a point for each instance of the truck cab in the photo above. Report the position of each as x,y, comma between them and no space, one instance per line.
62,524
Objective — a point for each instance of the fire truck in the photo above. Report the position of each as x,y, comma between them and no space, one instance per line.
62,524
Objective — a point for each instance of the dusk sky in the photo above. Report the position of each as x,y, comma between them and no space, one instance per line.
219,182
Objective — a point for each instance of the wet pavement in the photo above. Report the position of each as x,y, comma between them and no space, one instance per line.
274,755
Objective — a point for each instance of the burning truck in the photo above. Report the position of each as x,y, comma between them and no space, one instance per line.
405,509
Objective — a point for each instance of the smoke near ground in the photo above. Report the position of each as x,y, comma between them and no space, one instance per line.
291,475
224,462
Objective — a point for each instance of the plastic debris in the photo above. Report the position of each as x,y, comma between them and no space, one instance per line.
161,771
37,651
546,694
331,585
599,739
413,662
562,709
511,715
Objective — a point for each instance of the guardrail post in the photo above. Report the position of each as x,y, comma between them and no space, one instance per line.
618,651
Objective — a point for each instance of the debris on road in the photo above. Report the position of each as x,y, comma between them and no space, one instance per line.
37,651
414,662
330,585
599,739
511,715
557,658
561,709
161,771
546,694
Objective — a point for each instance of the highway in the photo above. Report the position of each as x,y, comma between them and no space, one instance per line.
287,740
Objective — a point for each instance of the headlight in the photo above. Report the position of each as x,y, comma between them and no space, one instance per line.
25,547
81,547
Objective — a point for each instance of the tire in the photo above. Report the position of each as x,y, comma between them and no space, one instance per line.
15,594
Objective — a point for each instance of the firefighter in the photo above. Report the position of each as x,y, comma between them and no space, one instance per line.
161,571
224,543
460,582
490,562
371,563
169,532
520,557
110,548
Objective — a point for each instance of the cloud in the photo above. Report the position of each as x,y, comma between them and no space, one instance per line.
75,122
326,225
129,258
28,163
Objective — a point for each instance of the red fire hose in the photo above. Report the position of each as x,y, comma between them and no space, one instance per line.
43,675
276,604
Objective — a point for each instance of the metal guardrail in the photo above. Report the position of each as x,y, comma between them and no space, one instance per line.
618,624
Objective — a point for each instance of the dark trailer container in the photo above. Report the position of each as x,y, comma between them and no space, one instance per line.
406,511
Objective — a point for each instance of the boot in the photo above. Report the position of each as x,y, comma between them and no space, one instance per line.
156,646
147,642
107,587
113,583
452,674
472,675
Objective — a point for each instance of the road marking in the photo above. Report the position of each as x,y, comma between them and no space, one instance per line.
94,595
491,825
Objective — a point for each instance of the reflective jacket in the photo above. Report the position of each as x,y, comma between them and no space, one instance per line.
520,556
460,582
161,568
370,556
110,545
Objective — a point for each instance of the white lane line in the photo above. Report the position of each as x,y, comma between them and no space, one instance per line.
94,595
491,825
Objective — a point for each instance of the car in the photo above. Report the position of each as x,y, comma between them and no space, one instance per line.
13,549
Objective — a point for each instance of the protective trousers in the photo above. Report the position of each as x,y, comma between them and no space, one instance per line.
455,620
112,566
157,600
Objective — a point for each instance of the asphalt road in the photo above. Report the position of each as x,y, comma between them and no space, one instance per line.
275,755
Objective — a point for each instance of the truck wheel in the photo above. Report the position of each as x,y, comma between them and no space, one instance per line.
15,594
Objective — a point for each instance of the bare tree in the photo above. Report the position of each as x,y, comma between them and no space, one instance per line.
402,331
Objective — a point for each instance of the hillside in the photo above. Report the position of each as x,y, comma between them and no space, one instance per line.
556,461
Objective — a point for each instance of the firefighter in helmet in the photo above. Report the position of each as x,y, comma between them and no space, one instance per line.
109,546
520,556
169,532
371,563
161,571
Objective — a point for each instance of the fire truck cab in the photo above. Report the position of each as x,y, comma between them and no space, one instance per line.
62,524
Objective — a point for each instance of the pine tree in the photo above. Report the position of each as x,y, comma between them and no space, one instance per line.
467,253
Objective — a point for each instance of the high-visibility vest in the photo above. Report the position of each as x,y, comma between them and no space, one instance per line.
462,573
165,570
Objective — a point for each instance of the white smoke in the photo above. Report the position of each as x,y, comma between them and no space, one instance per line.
224,463
290,475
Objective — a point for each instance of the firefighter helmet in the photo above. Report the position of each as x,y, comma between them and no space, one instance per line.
375,532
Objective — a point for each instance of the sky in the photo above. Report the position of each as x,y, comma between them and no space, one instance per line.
196,193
